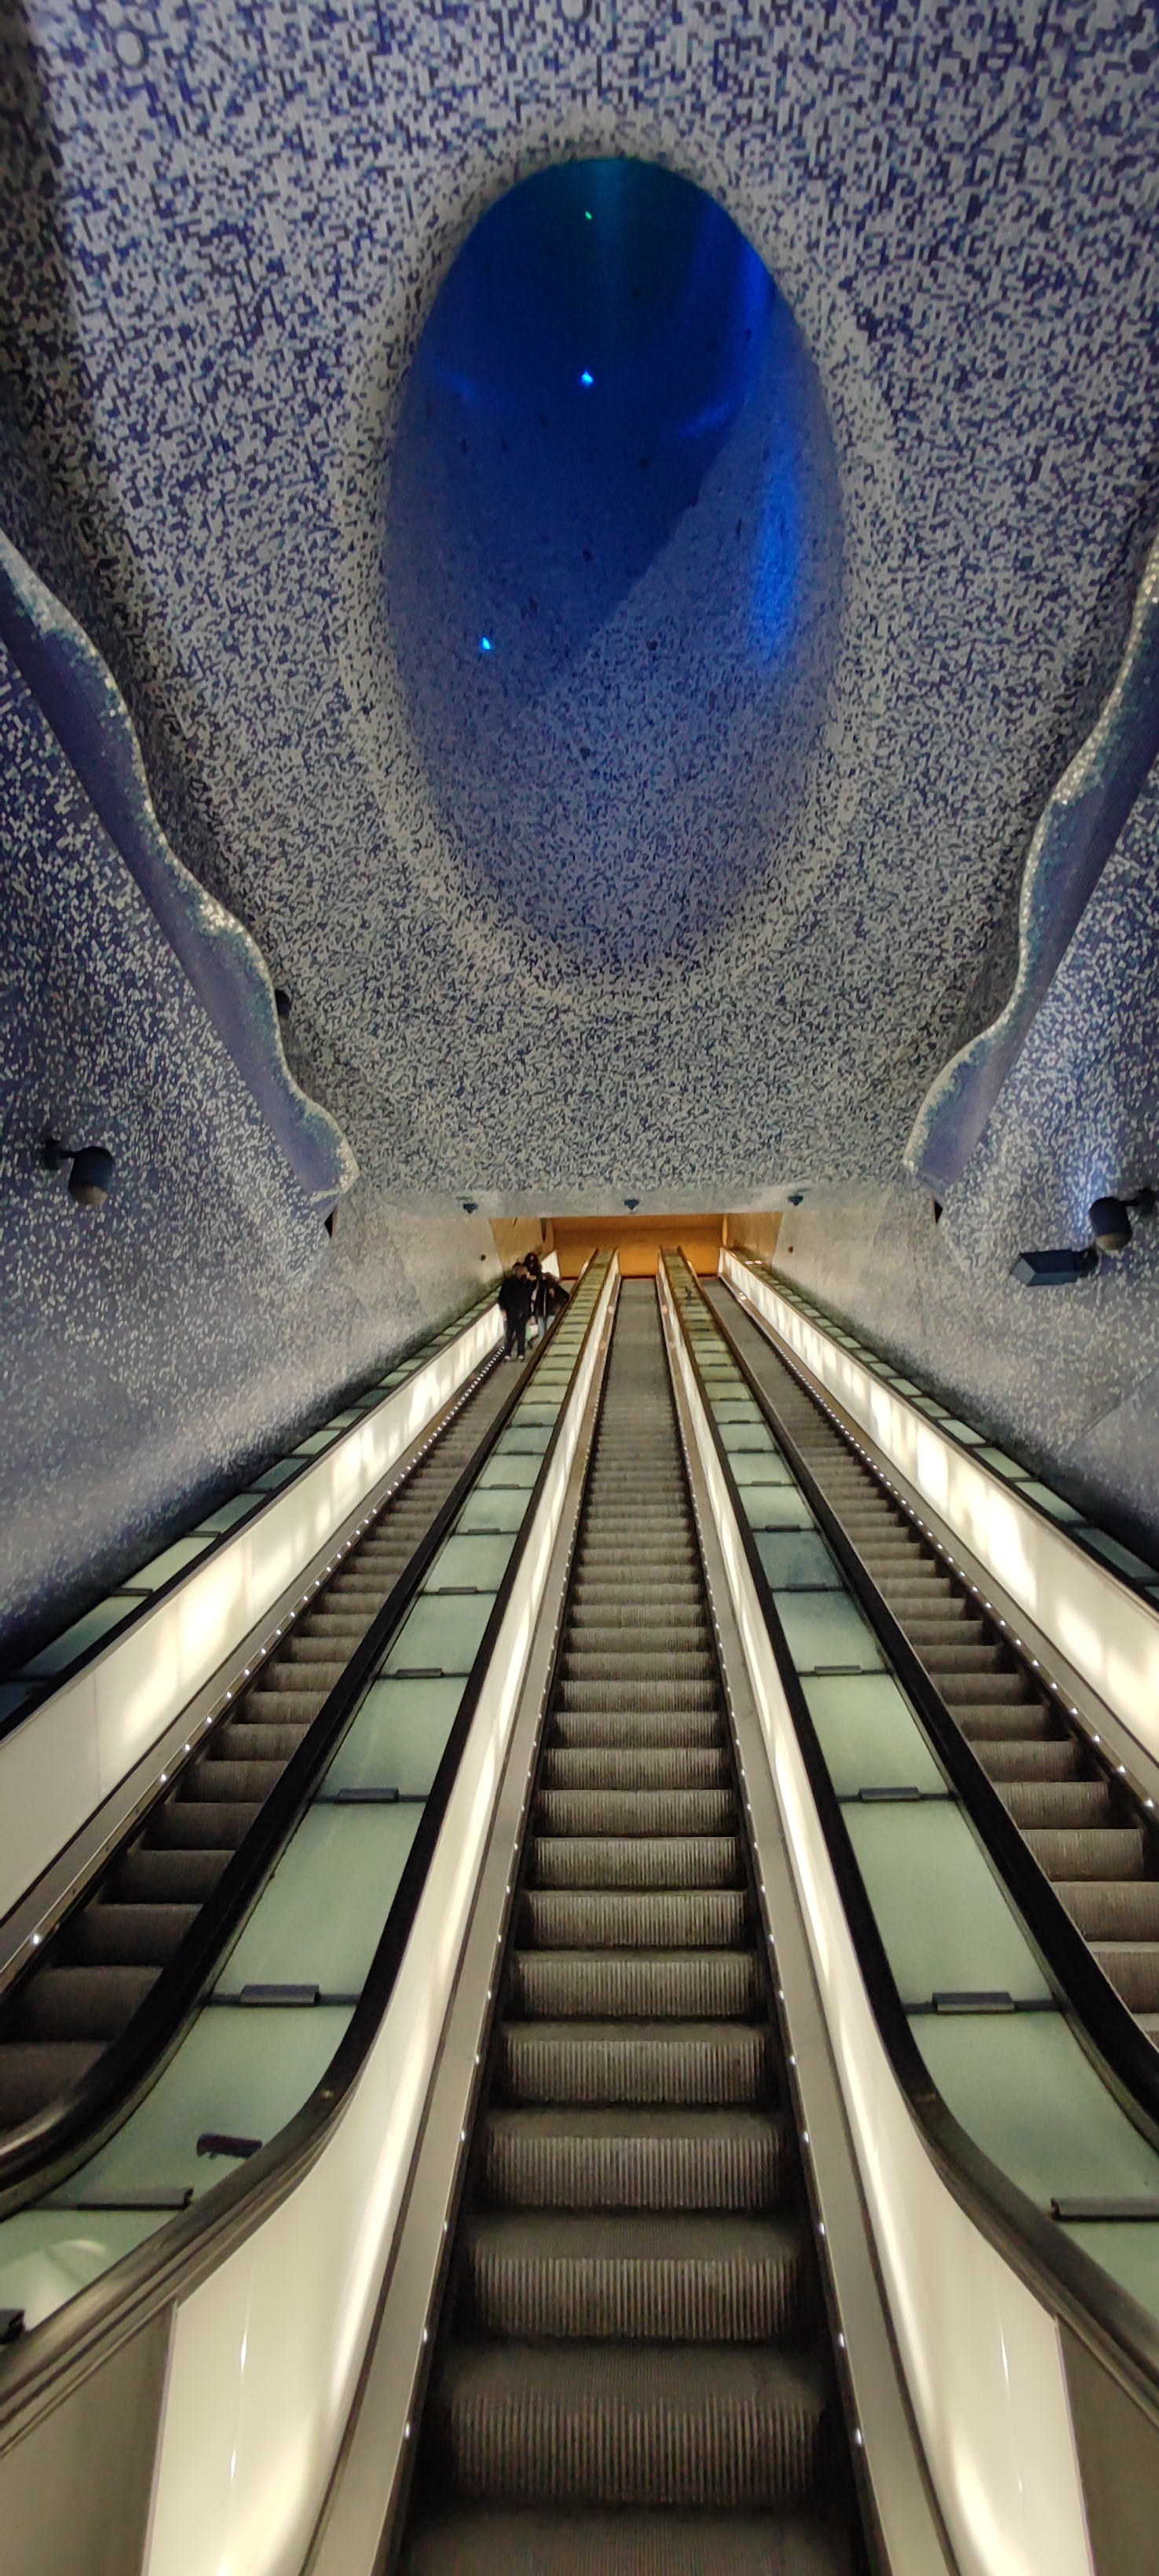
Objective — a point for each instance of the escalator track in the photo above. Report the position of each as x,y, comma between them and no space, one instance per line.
1084,1825
632,2370
99,1967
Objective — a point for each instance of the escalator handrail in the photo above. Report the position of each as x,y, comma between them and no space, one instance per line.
42,2153
193,2241
1127,2060
1065,2279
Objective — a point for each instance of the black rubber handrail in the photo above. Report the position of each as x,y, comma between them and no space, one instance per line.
46,2149
35,2371
1126,2059
1053,2266
1076,1537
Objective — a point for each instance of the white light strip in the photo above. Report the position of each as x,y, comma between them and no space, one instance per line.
76,1748
1104,1629
981,2355
266,2352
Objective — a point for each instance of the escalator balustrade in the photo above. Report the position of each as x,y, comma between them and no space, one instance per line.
1086,1828
97,1971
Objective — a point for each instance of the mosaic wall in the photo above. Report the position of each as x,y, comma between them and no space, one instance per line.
222,230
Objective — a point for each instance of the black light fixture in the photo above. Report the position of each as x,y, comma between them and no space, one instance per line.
1054,1269
796,1198
1111,1228
1111,1219
631,1203
469,1206
91,1176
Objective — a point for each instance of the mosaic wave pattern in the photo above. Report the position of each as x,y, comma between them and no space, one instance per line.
1017,2080
24,1685
1124,1562
285,1995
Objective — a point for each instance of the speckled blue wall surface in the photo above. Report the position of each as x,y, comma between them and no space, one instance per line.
1068,1377
230,228
153,1352
223,232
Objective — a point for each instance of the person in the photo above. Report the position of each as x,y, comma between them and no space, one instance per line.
548,1297
515,1305
532,1267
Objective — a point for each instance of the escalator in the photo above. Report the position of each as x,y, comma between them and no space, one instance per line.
1086,1827
633,2369
100,1973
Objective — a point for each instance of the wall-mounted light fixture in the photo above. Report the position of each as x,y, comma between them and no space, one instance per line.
91,1175
631,1203
1111,1228
796,1198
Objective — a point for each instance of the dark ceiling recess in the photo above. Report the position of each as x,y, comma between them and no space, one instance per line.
613,558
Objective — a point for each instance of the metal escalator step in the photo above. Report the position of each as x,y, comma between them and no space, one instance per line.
296,1673
1133,1969
659,2159
282,1707
1057,1802
1005,1725
696,1918
214,1778
586,1693
644,1860
681,1985
574,2061
603,1812
686,2279
945,1663
638,1629
582,1663
148,1877
108,1934
250,1739
35,2072
199,1824
581,1728
78,2003
1114,1851
1124,1909
315,1652
980,1689
600,2424
488,2542
643,1766
934,1634
1027,1759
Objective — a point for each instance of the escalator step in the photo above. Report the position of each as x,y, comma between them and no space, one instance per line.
631,1860
1114,1910
249,1739
600,1918
1044,1803
575,2061
1116,1851
216,1777
166,1877
696,2279
679,1985
198,1824
589,1694
35,2072
645,1767
607,2424
1133,1969
634,1726
1005,1725
635,1811
492,2543
645,2159
78,2003
1026,1760
127,1935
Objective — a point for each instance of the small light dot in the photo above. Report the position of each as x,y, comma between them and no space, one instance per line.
587,378
484,644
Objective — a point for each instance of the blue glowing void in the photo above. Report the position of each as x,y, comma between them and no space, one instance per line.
614,467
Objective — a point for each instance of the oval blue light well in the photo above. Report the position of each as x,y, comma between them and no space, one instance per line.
664,565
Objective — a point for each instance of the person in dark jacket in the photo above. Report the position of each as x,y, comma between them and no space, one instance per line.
515,1304
548,1296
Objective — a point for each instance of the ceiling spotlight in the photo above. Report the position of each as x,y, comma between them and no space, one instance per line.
796,1198
469,1206
631,1203
1111,1219
91,1176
